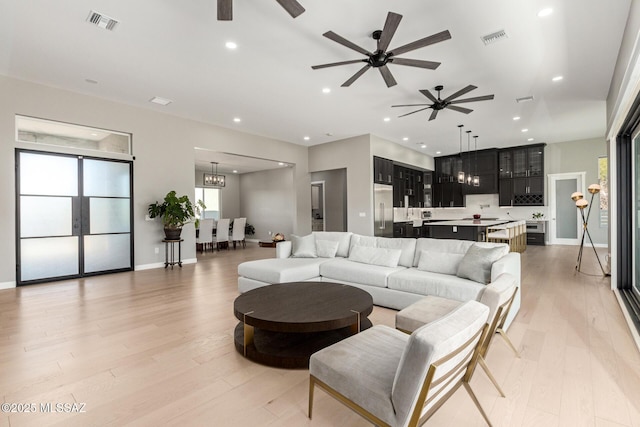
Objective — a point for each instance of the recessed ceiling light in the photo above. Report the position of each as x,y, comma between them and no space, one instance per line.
235,171
160,101
438,152
516,118
423,145
231,45
94,134
557,78
306,138
530,139
282,164
525,130
237,119
326,90
545,12
387,119
405,139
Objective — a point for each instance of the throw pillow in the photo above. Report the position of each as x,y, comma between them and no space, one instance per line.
303,246
375,256
327,248
439,262
476,263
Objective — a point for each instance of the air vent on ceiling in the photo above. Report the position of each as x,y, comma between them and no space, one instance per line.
494,37
102,21
525,99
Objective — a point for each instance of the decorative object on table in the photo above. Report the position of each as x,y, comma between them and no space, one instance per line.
278,237
582,203
213,179
537,215
249,229
175,212
476,216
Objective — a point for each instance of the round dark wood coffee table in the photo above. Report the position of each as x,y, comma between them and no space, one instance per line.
282,325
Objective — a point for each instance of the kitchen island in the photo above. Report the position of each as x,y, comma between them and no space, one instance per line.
466,229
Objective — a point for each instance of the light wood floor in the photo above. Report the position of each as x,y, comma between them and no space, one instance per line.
155,348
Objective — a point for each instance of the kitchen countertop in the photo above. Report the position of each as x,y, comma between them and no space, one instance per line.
470,222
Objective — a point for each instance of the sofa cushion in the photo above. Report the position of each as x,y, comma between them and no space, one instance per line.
326,248
303,246
342,237
439,262
477,262
406,245
281,270
355,272
358,240
442,285
375,256
448,246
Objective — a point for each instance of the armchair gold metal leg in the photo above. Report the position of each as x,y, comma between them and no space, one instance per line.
311,384
476,402
508,341
486,369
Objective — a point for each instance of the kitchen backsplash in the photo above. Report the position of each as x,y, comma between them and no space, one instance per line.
486,205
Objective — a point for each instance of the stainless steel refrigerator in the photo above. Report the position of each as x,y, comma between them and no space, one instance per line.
383,210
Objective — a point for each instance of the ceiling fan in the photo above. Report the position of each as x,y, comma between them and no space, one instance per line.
381,57
440,104
225,9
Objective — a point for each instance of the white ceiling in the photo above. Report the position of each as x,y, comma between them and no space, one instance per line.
176,50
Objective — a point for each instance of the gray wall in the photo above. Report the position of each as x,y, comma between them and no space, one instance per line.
580,156
398,153
163,146
335,187
267,200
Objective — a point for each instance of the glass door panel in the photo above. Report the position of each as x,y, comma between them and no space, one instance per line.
109,215
48,257
45,216
567,219
48,175
636,216
107,252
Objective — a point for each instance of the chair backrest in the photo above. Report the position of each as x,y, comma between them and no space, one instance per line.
498,296
238,228
437,358
205,235
222,230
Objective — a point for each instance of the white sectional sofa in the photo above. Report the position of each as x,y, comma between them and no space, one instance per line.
396,272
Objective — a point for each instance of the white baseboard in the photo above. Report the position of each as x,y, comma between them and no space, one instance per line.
597,245
7,285
161,264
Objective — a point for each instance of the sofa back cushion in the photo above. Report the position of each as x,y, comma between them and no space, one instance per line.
443,246
407,247
476,263
375,256
342,237
303,246
326,248
439,262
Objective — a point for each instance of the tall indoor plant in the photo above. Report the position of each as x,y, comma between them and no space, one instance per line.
175,212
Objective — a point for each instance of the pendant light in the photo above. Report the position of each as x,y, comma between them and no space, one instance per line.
213,179
476,177
461,171
469,176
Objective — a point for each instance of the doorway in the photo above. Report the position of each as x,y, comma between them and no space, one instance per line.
318,221
565,224
74,216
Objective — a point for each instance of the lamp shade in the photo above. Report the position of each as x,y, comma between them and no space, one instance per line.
594,189
581,203
577,196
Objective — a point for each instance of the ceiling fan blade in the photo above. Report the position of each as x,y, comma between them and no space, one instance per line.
356,76
428,94
294,8
344,42
460,92
432,39
433,115
225,10
477,98
459,109
411,105
390,27
416,63
387,76
335,64
417,111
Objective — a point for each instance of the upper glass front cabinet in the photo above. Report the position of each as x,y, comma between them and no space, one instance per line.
47,132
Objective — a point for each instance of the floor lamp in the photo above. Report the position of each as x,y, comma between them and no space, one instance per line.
581,204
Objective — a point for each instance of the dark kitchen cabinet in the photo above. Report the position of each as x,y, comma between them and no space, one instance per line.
382,171
484,164
522,176
408,187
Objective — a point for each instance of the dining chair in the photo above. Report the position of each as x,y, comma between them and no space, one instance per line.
222,234
205,235
394,379
237,235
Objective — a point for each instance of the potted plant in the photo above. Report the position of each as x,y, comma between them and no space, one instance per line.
198,209
175,212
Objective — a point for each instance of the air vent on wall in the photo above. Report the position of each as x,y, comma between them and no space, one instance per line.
494,37
102,21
